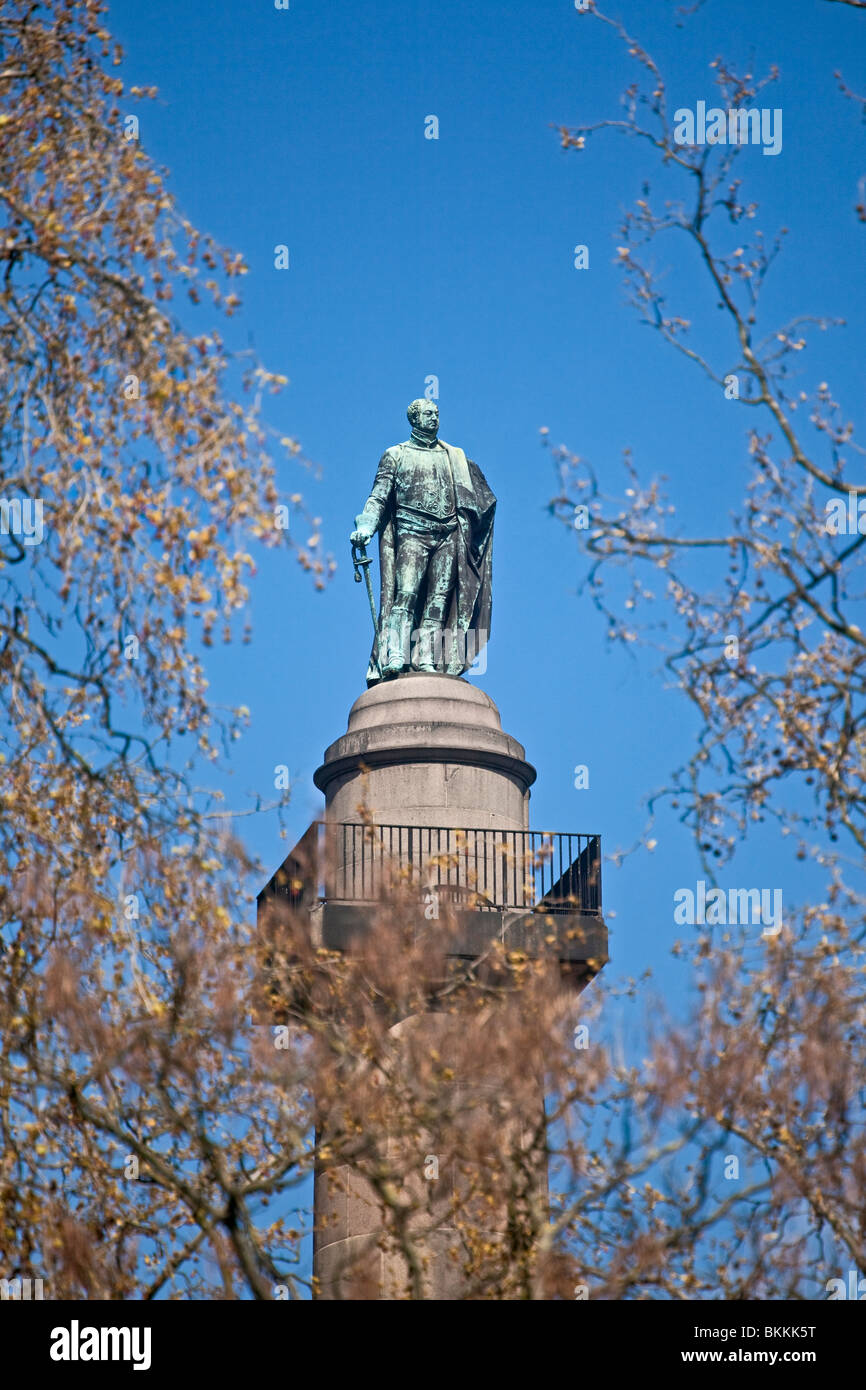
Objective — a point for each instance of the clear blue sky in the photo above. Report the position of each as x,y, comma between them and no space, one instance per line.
455,257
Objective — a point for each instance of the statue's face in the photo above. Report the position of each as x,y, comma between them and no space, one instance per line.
428,416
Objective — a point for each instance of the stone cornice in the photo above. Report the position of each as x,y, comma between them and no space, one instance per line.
405,754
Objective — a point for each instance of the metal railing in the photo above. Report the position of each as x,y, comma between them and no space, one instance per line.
551,871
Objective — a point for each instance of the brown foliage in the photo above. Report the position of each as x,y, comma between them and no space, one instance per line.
155,1141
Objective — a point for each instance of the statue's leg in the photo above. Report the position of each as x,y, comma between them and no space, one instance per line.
411,561
441,574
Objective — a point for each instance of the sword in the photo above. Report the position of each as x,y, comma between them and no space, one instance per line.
362,561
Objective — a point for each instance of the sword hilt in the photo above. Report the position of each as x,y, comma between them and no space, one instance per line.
359,560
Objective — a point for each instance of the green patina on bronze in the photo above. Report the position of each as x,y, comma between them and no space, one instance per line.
433,511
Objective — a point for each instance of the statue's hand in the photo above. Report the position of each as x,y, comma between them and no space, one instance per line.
361,537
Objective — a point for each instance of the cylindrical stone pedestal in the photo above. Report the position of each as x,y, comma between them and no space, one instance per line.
427,750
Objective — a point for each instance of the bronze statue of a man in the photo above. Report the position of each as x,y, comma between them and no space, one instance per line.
434,514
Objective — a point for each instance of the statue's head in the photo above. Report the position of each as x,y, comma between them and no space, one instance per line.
424,415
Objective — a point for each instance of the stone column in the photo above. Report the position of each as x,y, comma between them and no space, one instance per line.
423,750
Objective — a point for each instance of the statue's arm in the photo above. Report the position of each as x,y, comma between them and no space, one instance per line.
370,519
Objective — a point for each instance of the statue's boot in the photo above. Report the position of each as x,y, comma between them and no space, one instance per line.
430,653
397,651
